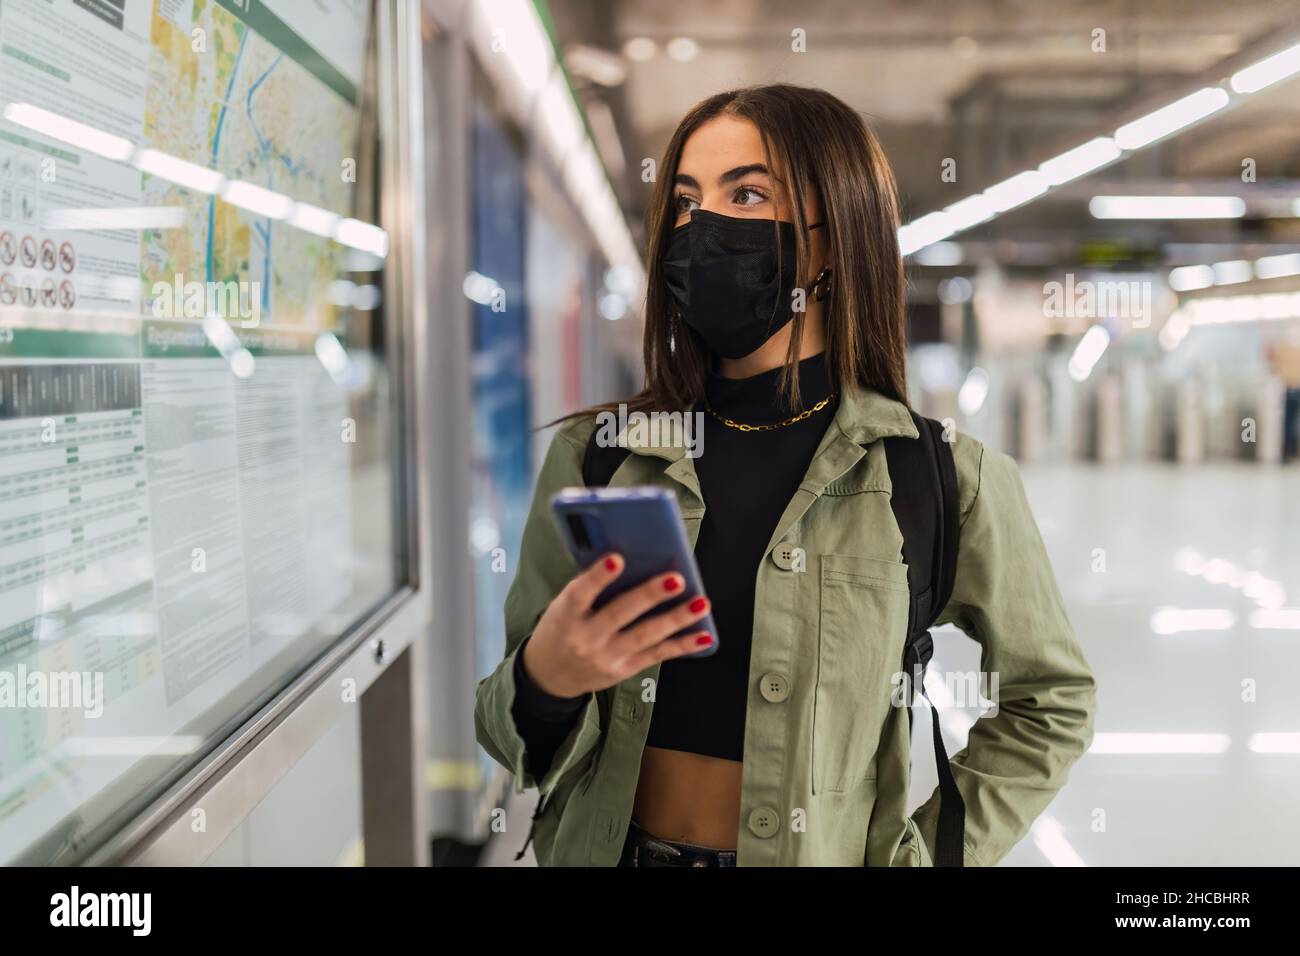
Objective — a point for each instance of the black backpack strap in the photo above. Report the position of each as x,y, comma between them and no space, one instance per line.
926,504
947,574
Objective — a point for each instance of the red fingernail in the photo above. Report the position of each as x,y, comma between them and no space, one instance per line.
704,640
672,584
611,564
698,605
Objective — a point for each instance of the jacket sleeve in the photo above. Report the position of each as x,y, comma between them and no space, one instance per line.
1006,598
544,568
542,719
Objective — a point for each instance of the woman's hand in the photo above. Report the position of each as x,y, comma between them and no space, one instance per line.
575,649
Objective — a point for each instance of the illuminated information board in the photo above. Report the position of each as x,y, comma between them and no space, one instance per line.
190,481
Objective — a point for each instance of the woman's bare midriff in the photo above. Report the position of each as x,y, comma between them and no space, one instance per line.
689,797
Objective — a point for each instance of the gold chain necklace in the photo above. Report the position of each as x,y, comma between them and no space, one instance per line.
741,426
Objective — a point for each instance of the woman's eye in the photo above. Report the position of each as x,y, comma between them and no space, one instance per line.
748,196
685,204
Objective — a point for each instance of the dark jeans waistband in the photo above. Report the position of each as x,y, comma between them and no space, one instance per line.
642,848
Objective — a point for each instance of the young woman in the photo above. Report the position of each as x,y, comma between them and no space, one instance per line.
775,305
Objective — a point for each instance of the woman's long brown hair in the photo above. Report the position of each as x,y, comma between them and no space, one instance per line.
815,142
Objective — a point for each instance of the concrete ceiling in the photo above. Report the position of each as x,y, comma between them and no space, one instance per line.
997,84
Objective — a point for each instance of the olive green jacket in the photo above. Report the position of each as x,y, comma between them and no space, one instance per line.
826,752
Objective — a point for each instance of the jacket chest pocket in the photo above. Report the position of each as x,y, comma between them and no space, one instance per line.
862,626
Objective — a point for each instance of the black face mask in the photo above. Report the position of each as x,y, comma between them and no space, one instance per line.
722,274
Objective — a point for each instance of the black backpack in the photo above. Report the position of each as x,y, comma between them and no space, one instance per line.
926,504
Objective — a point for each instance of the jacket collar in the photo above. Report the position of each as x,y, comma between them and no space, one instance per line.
862,416
865,415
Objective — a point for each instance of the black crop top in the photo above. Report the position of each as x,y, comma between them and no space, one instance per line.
746,479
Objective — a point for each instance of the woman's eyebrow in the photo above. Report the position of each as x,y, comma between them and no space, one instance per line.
730,176
740,172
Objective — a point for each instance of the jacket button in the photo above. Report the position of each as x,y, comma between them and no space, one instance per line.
783,556
763,822
774,687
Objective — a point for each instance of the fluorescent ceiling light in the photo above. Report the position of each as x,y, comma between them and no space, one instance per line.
220,334
929,228
940,254
1218,571
1088,352
1079,161
622,280
1173,620
180,171
582,171
682,49
1234,271
1128,743
560,126
516,50
1167,207
363,236
514,31
640,49
479,288
69,131
970,211
356,260
1274,743
341,291
1275,619
313,219
599,66
1190,278
1170,119
1275,267
952,291
612,306
1049,837
242,363
605,132
970,398
119,217
1241,308
254,198
1098,152
1174,330
1267,71
1017,190
366,298
332,355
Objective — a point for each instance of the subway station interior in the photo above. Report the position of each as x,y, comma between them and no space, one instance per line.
292,294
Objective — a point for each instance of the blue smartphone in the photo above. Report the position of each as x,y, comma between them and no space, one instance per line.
643,525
